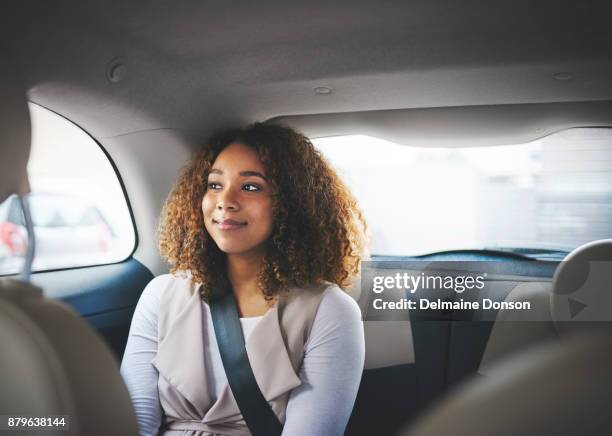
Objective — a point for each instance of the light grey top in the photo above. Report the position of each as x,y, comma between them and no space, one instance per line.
330,372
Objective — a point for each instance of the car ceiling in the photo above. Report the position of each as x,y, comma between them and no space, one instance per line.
195,65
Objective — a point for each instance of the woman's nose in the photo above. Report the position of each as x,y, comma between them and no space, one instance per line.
227,200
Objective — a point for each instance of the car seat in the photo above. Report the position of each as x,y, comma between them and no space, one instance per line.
560,386
577,299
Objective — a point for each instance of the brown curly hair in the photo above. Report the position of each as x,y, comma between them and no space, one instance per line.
318,232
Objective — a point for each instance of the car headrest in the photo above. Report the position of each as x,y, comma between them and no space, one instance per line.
14,133
581,296
539,392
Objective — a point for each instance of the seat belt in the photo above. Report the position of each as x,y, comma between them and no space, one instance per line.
256,411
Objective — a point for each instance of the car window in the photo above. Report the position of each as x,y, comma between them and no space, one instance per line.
79,212
547,196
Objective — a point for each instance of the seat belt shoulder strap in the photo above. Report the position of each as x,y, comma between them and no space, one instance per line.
256,411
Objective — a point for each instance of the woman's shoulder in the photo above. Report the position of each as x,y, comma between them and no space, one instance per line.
157,288
152,292
328,298
157,283
165,296
336,301
338,321
147,309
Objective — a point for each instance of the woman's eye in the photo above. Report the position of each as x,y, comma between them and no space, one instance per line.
251,187
214,186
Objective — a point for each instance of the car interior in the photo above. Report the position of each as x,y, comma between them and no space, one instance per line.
147,82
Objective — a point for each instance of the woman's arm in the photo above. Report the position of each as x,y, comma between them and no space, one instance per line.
139,374
331,371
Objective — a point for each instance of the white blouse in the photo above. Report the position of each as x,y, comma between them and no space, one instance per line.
330,373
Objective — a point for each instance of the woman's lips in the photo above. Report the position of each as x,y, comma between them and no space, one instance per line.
229,224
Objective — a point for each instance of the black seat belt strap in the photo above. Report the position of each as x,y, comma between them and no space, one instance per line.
256,411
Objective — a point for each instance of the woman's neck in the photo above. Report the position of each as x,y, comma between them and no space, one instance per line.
243,270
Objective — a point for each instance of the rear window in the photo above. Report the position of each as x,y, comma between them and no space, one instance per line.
79,211
541,198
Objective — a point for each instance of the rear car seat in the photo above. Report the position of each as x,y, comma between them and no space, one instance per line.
559,389
577,299
547,371
411,364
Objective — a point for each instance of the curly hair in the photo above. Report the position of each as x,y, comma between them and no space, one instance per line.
318,229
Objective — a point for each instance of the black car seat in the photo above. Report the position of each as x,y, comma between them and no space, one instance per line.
52,362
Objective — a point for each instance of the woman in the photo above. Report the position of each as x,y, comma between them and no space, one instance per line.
261,208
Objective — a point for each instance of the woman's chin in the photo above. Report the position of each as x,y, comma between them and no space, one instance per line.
240,250
231,248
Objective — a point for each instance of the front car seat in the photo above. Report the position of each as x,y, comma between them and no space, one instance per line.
53,363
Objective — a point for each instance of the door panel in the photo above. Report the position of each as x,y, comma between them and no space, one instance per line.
105,296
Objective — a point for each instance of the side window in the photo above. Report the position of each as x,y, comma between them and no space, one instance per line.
79,211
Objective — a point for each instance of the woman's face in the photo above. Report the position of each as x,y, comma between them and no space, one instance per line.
237,205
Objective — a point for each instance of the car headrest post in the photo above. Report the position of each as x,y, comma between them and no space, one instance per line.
26,272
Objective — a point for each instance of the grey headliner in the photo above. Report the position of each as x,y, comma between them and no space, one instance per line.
195,65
